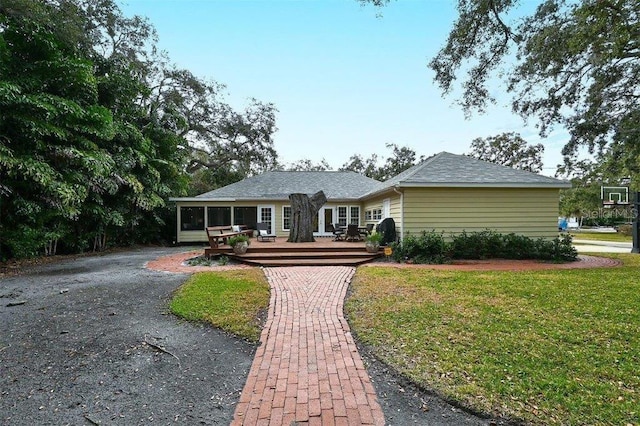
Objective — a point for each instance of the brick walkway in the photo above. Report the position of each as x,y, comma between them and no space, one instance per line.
307,369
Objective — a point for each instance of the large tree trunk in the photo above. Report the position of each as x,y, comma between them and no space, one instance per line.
303,211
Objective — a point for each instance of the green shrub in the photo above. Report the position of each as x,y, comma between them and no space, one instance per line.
477,245
431,247
25,242
517,246
428,247
557,250
239,239
374,237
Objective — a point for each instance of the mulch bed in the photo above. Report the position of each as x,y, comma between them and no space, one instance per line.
176,263
583,261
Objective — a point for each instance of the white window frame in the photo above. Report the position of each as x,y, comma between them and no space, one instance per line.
352,218
284,216
272,228
339,219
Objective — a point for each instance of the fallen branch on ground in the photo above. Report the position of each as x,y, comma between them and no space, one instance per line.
161,349
90,420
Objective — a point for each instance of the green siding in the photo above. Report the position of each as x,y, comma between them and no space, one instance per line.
530,212
395,210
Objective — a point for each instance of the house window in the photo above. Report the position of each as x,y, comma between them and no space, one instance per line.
245,216
367,215
218,216
342,215
286,218
377,214
192,218
354,215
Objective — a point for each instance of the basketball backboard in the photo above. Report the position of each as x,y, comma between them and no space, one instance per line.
614,195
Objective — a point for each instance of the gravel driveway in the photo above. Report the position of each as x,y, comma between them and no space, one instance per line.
94,343
84,348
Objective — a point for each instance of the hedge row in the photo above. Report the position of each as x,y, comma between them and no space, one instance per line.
432,247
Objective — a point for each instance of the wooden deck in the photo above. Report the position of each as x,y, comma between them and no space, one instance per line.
322,252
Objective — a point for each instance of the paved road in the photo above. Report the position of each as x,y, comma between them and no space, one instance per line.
593,246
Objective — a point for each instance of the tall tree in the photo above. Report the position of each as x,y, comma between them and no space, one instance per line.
217,135
508,149
97,130
584,199
569,63
307,165
401,159
147,159
52,134
365,166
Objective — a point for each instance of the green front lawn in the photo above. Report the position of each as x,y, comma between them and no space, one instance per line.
557,346
601,236
234,300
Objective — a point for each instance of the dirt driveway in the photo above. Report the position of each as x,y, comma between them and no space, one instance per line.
94,343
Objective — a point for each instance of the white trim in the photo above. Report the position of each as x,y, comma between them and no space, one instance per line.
282,212
386,208
178,230
482,185
321,223
376,193
271,207
346,218
350,218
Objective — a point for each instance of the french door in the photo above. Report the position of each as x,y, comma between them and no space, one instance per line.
266,214
326,217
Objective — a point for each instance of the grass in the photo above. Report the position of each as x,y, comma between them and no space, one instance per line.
601,236
231,300
545,347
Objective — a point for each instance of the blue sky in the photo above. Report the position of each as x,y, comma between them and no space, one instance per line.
344,79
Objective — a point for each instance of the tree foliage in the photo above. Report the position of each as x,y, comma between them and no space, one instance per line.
306,165
581,200
217,136
508,149
53,134
401,159
570,63
577,64
97,129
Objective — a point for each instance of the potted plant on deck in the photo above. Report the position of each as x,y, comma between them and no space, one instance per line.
239,243
372,244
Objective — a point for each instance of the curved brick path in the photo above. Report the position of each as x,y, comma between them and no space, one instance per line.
308,369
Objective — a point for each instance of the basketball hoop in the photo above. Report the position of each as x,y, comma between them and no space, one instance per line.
613,196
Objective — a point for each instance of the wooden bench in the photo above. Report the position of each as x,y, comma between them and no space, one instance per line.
221,234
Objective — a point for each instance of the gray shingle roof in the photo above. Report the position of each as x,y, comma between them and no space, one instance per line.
446,169
277,185
443,169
